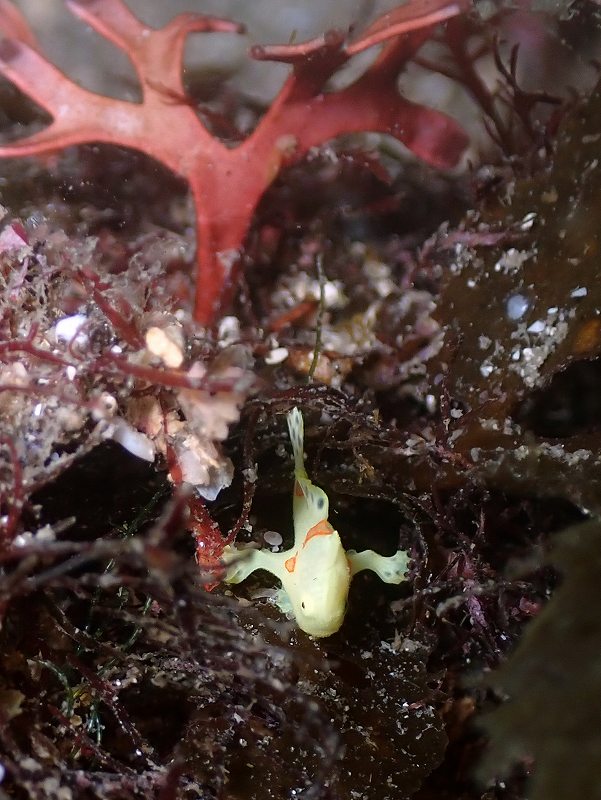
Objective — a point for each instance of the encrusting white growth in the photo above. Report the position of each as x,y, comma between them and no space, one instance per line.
316,572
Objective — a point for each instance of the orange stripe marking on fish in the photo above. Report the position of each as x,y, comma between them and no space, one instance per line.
290,563
323,528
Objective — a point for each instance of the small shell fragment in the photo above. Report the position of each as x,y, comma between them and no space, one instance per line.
538,326
136,443
276,356
166,344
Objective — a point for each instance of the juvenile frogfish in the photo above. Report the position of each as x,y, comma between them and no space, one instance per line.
316,572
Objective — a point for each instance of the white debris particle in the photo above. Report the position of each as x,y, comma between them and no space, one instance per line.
276,356
70,329
302,287
44,534
528,221
517,305
104,407
486,369
379,277
222,480
512,260
578,455
30,764
333,295
202,465
167,344
71,372
484,342
229,331
136,443
579,291
536,327
559,453
489,424
532,356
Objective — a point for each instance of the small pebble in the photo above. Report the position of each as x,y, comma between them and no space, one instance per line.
537,327
517,305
